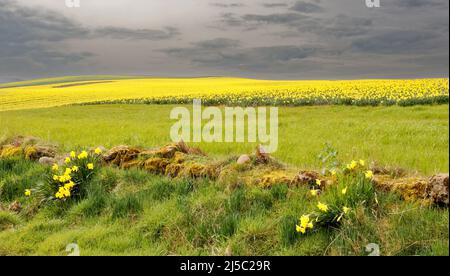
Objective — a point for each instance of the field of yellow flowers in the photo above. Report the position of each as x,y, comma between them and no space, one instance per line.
217,91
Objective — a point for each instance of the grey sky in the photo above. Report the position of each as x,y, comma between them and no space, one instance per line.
276,39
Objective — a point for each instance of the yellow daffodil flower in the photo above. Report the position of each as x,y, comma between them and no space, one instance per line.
27,192
64,178
322,207
352,165
300,229
346,210
304,220
68,171
63,192
90,166
69,185
98,151
369,174
83,155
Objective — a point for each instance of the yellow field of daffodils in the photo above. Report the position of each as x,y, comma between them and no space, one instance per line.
233,91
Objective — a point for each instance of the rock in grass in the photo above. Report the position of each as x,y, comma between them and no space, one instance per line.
305,177
47,161
36,152
15,207
261,155
438,189
121,155
243,159
29,147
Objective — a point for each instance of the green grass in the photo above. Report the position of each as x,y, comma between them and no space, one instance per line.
15,177
8,220
415,138
134,213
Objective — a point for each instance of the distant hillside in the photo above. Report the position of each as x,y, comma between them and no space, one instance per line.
67,79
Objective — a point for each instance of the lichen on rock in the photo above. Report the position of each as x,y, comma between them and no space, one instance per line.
30,148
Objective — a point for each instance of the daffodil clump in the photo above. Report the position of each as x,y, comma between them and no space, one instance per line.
351,187
354,167
63,182
323,215
359,169
305,223
68,180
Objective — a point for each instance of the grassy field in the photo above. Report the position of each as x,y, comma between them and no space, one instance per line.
415,138
134,213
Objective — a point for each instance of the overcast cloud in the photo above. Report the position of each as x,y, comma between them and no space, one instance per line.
279,39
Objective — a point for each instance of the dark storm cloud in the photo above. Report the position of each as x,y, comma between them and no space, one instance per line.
229,19
20,23
277,18
268,58
338,26
205,47
223,52
343,26
30,36
132,34
251,22
306,7
26,35
275,5
420,3
266,38
230,5
417,33
212,47
218,43
399,42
